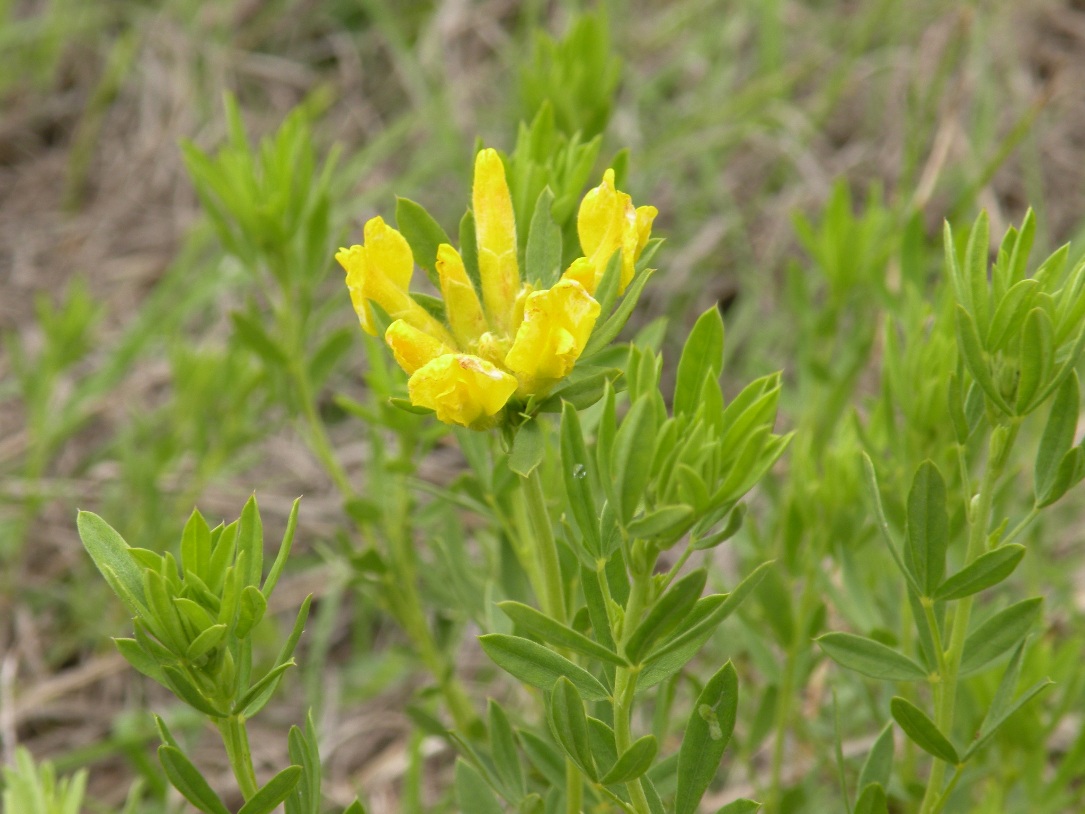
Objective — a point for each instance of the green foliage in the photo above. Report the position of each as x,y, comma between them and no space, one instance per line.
31,788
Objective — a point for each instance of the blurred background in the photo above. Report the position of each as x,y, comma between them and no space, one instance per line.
125,388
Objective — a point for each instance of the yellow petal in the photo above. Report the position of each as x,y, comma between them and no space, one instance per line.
607,222
556,327
495,231
411,347
583,271
461,302
461,389
380,271
389,252
594,220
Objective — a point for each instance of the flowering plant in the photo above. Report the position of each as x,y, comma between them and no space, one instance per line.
497,339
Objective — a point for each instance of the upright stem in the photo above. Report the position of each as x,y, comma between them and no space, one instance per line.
235,738
979,521
625,679
546,548
552,600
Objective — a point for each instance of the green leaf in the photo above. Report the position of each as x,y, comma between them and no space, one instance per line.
187,779
1036,359
673,654
472,793
1009,317
707,732
983,572
998,634
357,808
184,689
542,258
922,730
1004,705
303,751
666,614
273,792
975,267
872,800
730,529
528,448
537,666
972,352
632,457
928,527
284,551
581,389
256,339
1058,437
250,542
633,762
196,545
878,766
740,806
870,658
205,642
578,474
266,684
540,625
469,248
503,751
140,659
874,498
250,610
701,360
570,725
110,554
423,234
665,524
605,334
282,661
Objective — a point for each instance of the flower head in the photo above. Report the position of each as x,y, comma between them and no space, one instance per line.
500,337
607,222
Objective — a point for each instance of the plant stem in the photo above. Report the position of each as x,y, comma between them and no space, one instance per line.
625,678
998,449
546,548
235,738
574,788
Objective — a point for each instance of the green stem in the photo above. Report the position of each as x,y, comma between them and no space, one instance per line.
574,788
625,679
999,445
235,738
546,548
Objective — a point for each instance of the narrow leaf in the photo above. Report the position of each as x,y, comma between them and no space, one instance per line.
528,448
542,257
577,470
273,792
472,793
633,762
569,723
878,766
536,665
922,730
540,625
983,572
707,733
928,527
702,359
998,634
666,614
110,553
423,234
869,657
187,779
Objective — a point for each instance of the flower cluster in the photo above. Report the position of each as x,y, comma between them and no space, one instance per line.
503,338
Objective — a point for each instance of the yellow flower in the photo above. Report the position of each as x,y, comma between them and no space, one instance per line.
556,326
511,339
495,230
607,222
380,271
461,302
462,389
